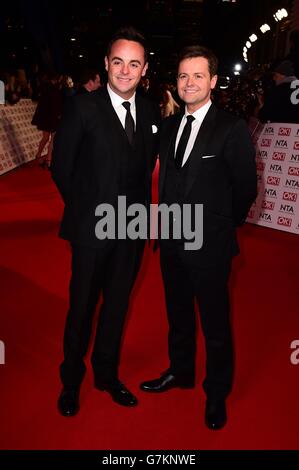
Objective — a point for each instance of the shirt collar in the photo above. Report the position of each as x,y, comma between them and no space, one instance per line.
118,100
200,114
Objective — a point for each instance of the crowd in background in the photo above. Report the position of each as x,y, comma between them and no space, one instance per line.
262,94
242,95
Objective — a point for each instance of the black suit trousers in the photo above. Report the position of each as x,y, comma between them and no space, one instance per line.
111,271
184,283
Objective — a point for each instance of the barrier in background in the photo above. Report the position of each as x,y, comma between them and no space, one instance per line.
18,138
277,158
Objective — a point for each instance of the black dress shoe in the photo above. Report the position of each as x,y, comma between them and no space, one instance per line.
215,414
119,393
166,382
68,402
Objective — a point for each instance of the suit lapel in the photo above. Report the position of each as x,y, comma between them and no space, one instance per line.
202,138
115,130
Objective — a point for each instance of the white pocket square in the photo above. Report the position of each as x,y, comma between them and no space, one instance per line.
154,129
208,156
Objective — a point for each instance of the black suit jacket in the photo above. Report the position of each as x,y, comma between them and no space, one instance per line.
225,183
87,153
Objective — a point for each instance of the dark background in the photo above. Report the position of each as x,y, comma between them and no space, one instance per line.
40,31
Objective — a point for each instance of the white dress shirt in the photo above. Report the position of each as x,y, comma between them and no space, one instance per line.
199,116
120,110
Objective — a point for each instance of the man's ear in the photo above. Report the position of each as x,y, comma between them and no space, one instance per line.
144,69
106,63
214,81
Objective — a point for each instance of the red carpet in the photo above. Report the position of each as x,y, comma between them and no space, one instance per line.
263,411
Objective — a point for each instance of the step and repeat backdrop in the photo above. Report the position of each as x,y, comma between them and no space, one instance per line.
277,159
18,138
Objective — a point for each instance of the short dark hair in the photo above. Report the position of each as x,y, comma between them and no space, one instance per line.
190,52
130,34
87,74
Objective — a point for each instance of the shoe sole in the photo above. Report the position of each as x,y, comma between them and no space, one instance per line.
183,387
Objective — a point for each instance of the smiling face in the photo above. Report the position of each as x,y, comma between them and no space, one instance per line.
194,82
125,66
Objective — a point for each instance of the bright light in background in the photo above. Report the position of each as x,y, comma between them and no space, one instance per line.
238,67
80,55
152,53
73,39
264,28
280,14
236,72
223,82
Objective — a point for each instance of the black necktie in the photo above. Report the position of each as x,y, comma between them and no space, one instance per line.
181,148
129,122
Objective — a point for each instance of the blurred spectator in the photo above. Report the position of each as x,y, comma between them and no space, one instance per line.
293,54
144,86
150,88
89,80
277,106
168,104
47,115
67,87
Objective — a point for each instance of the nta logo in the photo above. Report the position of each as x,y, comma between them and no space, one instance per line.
292,183
275,168
286,208
281,143
270,192
262,154
269,130
266,217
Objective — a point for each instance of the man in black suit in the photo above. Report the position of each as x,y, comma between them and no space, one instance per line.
278,105
106,146
206,157
89,80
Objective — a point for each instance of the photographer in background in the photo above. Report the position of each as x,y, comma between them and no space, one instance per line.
278,106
